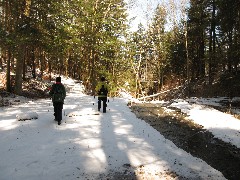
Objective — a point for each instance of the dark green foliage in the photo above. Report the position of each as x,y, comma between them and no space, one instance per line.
88,39
80,39
230,84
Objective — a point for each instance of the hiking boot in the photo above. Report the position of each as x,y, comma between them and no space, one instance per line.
59,122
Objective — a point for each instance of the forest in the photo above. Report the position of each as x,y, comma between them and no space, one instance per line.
87,39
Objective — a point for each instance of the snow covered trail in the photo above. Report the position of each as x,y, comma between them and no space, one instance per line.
88,143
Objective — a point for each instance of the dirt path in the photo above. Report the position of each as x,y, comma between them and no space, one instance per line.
192,138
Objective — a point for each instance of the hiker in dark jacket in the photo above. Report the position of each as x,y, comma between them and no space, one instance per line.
58,94
102,90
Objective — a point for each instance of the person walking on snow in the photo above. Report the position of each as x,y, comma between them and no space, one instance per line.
102,90
58,94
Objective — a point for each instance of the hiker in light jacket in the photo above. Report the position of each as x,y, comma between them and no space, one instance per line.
102,91
58,94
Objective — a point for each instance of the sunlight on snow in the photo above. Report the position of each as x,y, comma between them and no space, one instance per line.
8,124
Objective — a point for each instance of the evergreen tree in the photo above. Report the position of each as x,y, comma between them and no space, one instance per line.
159,46
197,25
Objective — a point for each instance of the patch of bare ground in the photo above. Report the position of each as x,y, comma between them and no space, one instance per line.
139,173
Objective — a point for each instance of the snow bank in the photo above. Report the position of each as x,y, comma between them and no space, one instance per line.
27,116
223,126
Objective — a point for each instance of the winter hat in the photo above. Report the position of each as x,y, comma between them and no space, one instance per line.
58,79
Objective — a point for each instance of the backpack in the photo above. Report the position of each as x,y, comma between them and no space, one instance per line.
58,93
103,91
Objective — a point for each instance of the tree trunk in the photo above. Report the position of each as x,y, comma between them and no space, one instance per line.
229,51
8,83
42,63
201,56
187,57
212,46
33,63
19,70
24,65
50,70
1,62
